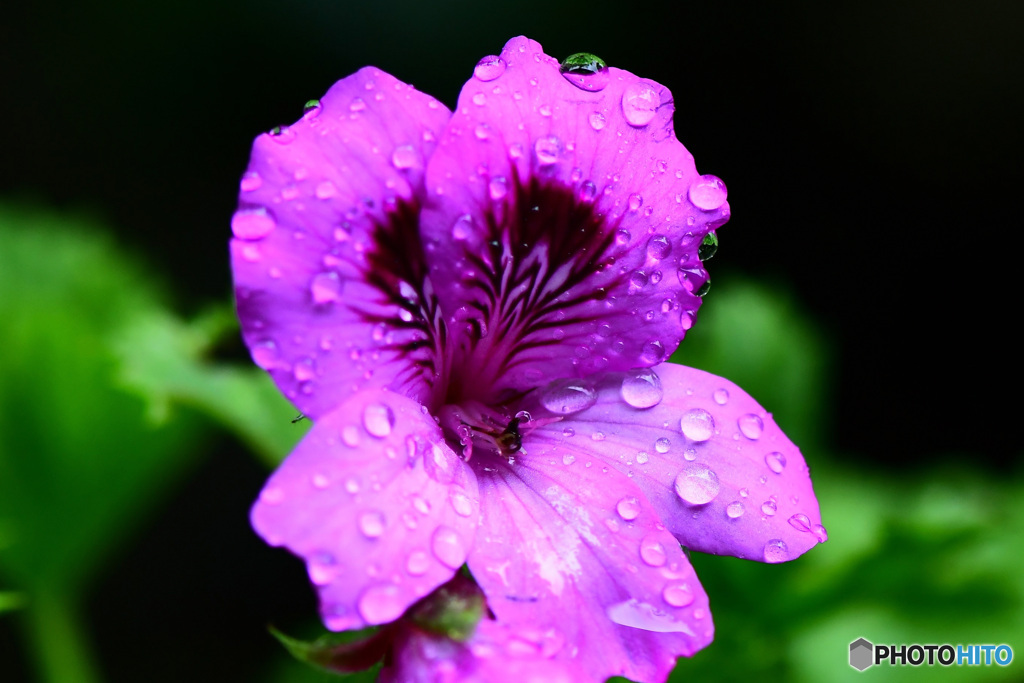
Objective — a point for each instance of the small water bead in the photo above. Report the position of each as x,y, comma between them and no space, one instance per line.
568,432
744,493
776,462
568,459
252,224
272,495
644,616
751,426
697,425
658,247
597,120
721,396
447,547
652,552
417,563
462,228
776,550
304,370
690,454
734,510
405,157
708,247
325,288
266,355
380,604
357,105
566,397
322,568
708,193
637,281
548,149
692,279
378,419
635,202
642,457
489,68
311,109
461,503
628,508
769,507
479,99
251,181
653,352
371,524
482,131
497,188
282,135
641,388
350,436
640,102
587,192
677,594
819,531
662,445
597,436
697,484
800,522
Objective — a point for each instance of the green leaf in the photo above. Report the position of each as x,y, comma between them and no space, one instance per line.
345,652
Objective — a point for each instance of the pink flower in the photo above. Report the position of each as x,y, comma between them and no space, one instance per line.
474,308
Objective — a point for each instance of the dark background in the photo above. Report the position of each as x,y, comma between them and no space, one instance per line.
870,151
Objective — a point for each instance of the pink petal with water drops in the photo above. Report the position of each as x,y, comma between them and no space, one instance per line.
571,552
560,220
326,254
717,468
378,506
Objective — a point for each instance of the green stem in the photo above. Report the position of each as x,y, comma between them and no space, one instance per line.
58,640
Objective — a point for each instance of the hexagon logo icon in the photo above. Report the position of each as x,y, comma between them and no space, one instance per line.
861,654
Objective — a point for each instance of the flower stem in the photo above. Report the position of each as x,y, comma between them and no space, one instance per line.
57,639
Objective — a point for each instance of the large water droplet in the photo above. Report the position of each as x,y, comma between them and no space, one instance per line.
371,524
628,508
640,102
708,193
677,594
380,604
697,484
586,71
658,247
769,507
645,616
447,547
776,550
252,224
325,288
800,522
568,396
378,419
776,462
751,426
641,388
708,247
697,424
548,149
652,552
489,68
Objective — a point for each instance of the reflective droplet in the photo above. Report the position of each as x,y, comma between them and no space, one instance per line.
357,105
721,396
697,484
708,193
489,68
461,503
371,524
662,445
548,149
378,419
325,288
462,228
322,568
819,531
751,426
266,355
282,135
677,594
697,424
641,388
568,396
641,615
776,550
635,202
587,192
653,352
568,459
405,157
447,547
568,431
652,552
311,109
708,247
658,247
776,462
640,102
497,188
628,508
380,604
252,224
800,522
417,563
597,120
479,99
734,510
642,457
586,71
251,181
769,507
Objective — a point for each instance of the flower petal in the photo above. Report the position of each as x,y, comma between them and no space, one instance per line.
378,506
717,468
562,225
326,254
574,555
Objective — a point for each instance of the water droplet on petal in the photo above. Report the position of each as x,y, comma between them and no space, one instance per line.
800,522
734,510
640,102
447,547
282,135
769,508
497,188
641,388
380,604
322,568
597,120
378,419
653,352
417,563
721,396
776,550
635,202
708,193
311,109
461,502
462,228
566,397
489,68
708,247
568,459
266,355
697,424
586,71
587,192
628,508
658,247
652,552
252,224
357,105
776,462
325,288
697,484
642,457
819,531
751,426
677,594
405,157
548,149
662,445
647,617
371,524
251,181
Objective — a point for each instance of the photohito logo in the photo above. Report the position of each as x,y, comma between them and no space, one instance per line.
864,654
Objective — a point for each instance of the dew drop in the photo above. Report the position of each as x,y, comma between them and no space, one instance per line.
322,568
587,192
640,102
380,604
697,484
568,431
266,355
325,288
479,99
461,502
721,396
776,462
653,352
282,135
658,247
378,419
405,157
751,426
652,552
734,510
371,524
645,616
497,188
819,531
697,424
769,508
548,149
677,594
597,120
417,563
447,547
708,193
776,550
586,71
357,105
568,459
635,202
462,228
566,397
628,508
800,522
489,68
641,388
251,181
252,224
311,109
708,247
350,435
662,445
